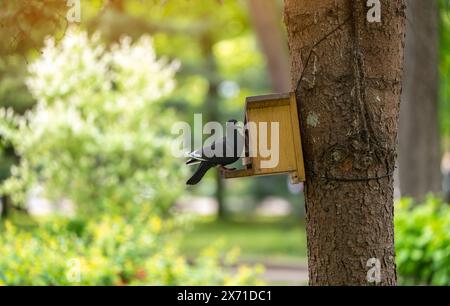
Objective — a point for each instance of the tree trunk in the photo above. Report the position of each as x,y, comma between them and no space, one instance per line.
349,102
5,208
419,145
118,5
212,110
271,37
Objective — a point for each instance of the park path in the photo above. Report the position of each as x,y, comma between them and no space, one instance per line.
276,273
286,275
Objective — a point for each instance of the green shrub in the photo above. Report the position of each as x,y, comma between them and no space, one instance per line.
423,242
110,251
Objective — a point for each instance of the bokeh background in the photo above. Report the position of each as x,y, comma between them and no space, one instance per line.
90,191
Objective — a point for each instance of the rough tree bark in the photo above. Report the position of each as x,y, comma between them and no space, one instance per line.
419,141
272,39
349,102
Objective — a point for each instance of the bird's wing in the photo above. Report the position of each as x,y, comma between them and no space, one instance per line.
226,146
210,152
235,144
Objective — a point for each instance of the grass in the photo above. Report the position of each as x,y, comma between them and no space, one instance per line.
269,240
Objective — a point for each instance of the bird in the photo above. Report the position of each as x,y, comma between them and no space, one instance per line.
232,146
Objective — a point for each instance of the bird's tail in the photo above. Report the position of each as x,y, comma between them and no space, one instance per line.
198,175
192,162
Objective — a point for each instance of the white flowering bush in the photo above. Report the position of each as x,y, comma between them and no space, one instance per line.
99,134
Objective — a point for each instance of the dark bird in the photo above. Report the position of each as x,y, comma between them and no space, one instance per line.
220,153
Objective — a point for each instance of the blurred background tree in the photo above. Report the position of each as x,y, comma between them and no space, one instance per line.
420,149
444,92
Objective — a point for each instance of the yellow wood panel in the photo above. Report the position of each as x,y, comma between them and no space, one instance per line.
268,103
240,173
281,114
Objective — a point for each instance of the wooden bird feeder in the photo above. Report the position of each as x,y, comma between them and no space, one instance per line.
281,108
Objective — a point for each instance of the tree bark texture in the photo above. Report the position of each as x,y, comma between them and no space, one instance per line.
349,100
419,141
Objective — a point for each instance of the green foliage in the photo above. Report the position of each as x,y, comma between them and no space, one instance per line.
13,91
99,132
423,242
257,239
109,251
